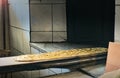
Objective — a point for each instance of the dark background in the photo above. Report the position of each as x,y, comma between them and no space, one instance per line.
90,21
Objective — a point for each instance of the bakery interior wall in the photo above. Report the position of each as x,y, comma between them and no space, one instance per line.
19,25
41,21
37,21
25,28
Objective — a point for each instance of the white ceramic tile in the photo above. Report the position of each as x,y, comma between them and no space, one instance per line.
51,73
12,16
34,51
59,17
19,39
59,36
75,74
65,70
35,74
117,1
15,52
44,72
56,70
26,40
28,74
41,36
18,75
47,1
117,24
47,72
19,16
18,1
35,1
41,18
13,37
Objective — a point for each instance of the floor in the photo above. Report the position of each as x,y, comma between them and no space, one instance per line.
94,70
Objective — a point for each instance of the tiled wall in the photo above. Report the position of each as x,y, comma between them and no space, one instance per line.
48,20
52,26
117,21
19,25
48,23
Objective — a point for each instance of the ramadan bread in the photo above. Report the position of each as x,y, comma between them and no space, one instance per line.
62,54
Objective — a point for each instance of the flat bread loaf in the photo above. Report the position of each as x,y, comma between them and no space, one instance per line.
61,54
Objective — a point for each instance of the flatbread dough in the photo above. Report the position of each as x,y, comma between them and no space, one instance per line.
61,54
